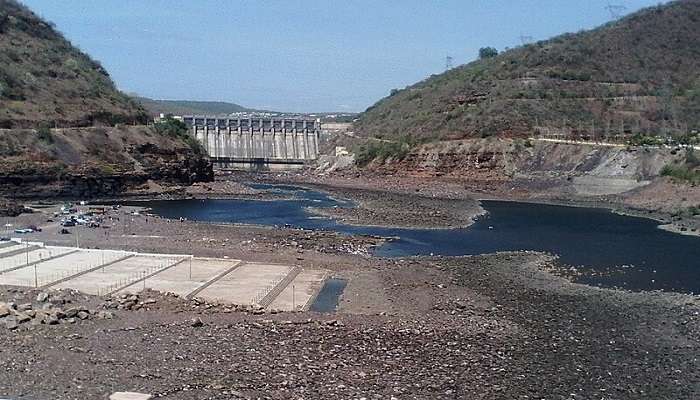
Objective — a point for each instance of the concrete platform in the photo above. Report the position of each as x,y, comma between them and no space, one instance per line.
247,284
298,293
34,255
179,280
101,272
70,264
119,274
10,247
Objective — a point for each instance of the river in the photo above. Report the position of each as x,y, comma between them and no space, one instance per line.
608,249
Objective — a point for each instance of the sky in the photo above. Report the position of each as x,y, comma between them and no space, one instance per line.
302,55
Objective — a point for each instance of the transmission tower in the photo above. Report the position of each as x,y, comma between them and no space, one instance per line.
526,39
616,10
448,63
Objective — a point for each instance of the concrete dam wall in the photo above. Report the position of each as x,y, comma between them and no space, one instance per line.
257,143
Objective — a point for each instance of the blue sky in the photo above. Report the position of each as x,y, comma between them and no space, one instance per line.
301,55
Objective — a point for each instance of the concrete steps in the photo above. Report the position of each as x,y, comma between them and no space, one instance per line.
270,296
142,278
213,280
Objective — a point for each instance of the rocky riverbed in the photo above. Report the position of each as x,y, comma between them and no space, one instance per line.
385,208
484,327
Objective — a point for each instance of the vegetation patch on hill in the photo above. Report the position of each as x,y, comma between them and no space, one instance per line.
190,107
638,75
44,79
685,172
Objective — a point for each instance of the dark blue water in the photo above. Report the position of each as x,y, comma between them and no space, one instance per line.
612,250
329,296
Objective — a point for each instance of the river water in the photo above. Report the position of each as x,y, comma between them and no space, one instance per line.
610,250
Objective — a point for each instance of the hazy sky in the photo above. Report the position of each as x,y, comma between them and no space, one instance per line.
301,55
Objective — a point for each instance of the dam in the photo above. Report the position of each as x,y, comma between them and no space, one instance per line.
256,143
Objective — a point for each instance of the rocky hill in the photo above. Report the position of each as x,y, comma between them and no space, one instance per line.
640,74
65,130
43,78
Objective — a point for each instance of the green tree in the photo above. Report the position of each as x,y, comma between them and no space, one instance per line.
487,52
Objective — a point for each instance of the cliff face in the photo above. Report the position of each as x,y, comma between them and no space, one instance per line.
96,161
587,170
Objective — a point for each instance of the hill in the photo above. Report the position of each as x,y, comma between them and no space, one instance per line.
640,74
189,107
44,79
68,130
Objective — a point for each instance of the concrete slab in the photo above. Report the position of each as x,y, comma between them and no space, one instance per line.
99,272
33,256
117,275
300,291
58,268
10,247
179,280
247,284
129,396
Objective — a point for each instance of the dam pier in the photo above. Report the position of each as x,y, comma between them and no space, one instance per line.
256,143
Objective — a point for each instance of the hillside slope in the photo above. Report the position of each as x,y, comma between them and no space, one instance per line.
44,79
637,75
190,107
46,83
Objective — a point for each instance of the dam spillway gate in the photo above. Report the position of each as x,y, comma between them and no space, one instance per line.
256,143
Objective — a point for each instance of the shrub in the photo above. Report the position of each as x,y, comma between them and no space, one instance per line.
691,158
487,52
383,150
44,133
170,126
644,140
681,173
175,128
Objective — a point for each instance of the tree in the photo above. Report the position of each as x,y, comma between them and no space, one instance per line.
487,52
171,127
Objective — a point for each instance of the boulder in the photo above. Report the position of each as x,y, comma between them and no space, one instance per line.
11,323
4,310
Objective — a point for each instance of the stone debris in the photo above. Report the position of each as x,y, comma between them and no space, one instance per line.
42,297
27,315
